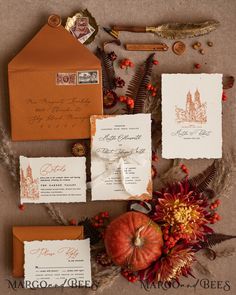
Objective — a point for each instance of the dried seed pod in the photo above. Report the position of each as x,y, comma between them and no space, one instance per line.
78,149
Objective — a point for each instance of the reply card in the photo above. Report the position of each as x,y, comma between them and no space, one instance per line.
191,116
57,180
64,263
121,157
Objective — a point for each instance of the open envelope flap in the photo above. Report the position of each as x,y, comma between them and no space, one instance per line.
56,49
32,233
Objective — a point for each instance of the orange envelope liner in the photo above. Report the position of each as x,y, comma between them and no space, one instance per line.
55,85
39,233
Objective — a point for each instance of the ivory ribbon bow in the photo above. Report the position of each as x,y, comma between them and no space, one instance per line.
114,163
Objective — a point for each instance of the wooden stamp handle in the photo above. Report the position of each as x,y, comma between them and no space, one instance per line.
129,29
146,47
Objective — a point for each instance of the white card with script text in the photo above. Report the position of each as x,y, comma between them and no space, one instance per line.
121,157
52,180
58,263
191,116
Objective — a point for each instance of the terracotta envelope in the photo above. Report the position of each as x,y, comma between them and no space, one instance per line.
55,84
32,233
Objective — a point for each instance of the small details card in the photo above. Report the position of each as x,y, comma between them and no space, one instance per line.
52,180
121,157
64,263
191,116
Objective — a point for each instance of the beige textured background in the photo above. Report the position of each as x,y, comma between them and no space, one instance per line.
21,19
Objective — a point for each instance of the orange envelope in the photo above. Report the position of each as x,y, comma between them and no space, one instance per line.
32,233
55,84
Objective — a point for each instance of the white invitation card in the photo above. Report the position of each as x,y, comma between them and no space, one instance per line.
191,116
52,180
64,263
121,157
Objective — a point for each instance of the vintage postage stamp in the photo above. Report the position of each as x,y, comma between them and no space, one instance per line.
66,79
87,77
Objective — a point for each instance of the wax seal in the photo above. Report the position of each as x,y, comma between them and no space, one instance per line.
54,20
178,47
78,149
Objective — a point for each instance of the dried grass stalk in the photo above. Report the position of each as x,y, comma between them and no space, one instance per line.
56,214
8,157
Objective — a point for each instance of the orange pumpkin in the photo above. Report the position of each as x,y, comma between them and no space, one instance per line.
133,241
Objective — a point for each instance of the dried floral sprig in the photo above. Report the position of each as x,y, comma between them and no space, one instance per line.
56,214
8,157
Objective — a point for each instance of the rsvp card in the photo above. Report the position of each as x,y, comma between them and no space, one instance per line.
121,157
191,116
64,263
52,180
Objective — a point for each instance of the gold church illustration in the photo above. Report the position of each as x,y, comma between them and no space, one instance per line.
195,110
29,185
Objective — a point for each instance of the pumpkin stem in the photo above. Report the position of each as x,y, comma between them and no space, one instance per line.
138,241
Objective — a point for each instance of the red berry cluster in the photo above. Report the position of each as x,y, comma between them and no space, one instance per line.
152,89
130,276
119,83
215,216
100,221
126,63
73,221
197,66
154,156
155,62
184,169
21,207
154,172
224,96
170,239
128,100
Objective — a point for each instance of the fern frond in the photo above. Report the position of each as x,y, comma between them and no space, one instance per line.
214,239
137,86
201,181
108,72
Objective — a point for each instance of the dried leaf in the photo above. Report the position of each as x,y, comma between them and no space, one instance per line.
188,30
137,86
201,181
203,269
214,239
108,72
226,252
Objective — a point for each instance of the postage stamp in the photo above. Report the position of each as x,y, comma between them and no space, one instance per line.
87,77
66,79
